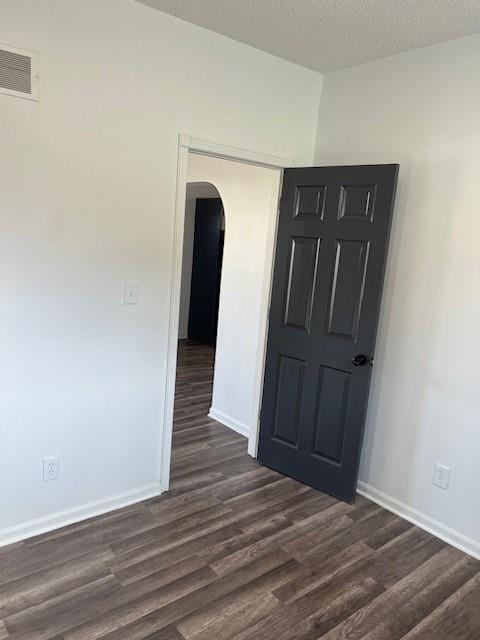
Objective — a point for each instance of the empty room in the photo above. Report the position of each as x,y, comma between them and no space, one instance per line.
240,303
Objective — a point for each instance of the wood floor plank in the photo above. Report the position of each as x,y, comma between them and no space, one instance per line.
143,630
386,606
49,583
231,617
290,619
412,612
159,600
243,540
457,617
169,613
404,554
231,612
54,616
236,551
149,558
359,554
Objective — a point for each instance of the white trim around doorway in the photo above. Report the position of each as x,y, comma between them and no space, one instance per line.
186,145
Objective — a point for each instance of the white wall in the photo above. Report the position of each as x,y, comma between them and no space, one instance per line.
421,109
250,200
87,184
195,190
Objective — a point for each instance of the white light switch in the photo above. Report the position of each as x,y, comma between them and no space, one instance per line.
130,292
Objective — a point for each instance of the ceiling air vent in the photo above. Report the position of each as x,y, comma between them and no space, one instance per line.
18,73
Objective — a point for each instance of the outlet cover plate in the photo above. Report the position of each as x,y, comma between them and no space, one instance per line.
441,476
51,468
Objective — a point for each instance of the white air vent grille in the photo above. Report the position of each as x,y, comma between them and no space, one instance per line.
18,73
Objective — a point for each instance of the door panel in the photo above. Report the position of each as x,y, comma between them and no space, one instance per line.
301,282
351,261
357,202
309,202
289,396
332,401
332,239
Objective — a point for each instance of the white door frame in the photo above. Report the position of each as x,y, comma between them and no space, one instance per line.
188,144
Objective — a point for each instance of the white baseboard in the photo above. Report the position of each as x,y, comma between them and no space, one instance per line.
436,528
60,519
229,422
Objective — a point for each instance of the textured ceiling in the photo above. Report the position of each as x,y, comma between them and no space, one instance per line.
326,35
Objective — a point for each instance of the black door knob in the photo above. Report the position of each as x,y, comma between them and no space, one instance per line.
359,360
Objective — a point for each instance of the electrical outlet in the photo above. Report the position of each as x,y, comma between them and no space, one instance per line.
50,468
441,476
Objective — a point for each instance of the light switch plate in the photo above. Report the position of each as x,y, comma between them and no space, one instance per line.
130,292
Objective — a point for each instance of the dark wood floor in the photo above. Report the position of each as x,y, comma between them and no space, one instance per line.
236,551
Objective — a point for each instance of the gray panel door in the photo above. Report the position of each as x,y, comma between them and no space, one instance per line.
330,260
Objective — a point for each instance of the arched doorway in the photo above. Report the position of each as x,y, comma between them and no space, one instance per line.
202,263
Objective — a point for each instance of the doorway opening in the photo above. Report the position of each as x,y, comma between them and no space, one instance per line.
203,242
202,259
226,233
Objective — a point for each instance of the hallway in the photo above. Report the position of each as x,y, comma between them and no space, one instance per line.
204,451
